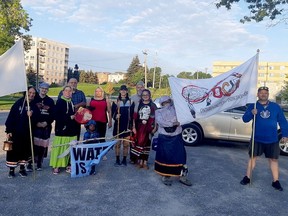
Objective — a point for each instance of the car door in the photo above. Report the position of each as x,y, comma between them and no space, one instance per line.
239,131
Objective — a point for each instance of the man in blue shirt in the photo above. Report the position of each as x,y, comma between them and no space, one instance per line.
267,117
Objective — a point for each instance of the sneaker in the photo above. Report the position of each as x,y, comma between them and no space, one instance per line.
39,169
29,168
11,174
23,173
277,186
245,181
117,163
166,180
185,181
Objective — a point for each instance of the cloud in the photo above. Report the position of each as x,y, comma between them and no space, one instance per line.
185,33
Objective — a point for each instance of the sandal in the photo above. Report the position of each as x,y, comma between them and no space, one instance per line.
56,171
68,169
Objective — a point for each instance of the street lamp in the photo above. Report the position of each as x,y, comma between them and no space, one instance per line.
145,67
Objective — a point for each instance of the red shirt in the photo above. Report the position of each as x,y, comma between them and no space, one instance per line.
99,113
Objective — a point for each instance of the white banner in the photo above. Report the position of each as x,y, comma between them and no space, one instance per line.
195,99
12,70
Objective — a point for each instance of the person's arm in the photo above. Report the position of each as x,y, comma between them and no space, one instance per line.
248,115
109,112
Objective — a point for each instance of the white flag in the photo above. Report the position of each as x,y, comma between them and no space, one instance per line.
195,99
12,70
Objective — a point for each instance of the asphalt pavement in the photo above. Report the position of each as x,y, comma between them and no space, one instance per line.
215,169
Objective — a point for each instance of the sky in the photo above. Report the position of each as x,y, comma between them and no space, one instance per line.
177,35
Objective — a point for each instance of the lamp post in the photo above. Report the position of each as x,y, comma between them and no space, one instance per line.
145,67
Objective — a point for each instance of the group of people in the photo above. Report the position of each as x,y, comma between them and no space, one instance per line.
136,120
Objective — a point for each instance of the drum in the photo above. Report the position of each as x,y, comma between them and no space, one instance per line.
83,115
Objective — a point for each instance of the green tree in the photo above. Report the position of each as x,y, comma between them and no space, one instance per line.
164,81
134,71
31,76
201,75
13,20
260,9
158,71
185,75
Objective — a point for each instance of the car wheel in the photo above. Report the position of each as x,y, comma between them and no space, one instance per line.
192,135
283,148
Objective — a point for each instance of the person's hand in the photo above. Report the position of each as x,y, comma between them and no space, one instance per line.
72,117
44,124
118,116
254,111
109,124
9,135
284,139
134,130
29,113
176,123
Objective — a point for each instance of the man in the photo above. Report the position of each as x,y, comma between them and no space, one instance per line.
43,127
136,97
78,99
267,115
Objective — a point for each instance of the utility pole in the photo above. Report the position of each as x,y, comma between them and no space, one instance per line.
145,67
155,63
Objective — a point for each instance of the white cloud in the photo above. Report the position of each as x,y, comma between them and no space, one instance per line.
185,33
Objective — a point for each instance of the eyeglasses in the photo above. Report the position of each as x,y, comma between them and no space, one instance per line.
263,88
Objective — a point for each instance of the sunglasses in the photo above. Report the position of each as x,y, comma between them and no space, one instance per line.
263,88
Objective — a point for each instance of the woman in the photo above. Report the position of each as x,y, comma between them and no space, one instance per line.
17,129
170,154
122,112
65,130
143,125
100,107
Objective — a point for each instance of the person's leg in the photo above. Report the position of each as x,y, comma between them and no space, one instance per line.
117,153
273,163
250,167
125,151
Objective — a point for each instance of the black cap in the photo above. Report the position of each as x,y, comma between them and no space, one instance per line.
124,87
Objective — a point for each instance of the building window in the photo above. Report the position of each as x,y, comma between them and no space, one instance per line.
271,67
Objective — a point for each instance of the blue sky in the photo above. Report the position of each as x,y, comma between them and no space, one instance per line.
179,35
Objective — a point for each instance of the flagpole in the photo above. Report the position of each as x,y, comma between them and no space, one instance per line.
253,129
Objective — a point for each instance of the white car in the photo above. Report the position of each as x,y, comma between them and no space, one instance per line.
227,125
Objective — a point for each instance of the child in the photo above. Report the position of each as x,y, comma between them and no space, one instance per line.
91,133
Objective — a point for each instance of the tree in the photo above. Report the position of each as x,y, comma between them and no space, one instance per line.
31,76
260,9
13,20
158,71
185,75
201,75
134,72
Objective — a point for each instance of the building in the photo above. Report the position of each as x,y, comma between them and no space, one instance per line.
270,74
116,77
49,59
102,77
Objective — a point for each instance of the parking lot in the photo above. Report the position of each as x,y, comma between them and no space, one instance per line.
215,169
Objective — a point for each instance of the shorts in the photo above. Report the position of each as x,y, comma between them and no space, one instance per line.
270,150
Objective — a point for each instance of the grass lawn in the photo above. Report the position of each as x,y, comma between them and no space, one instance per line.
7,101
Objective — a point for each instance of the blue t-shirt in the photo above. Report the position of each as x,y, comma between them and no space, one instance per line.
266,122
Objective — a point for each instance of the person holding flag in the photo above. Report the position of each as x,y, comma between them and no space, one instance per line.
18,131
267,115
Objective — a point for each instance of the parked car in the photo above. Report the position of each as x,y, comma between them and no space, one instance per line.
227,125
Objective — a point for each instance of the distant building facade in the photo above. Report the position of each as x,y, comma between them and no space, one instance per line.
102,77
116,77
270,74
50,58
